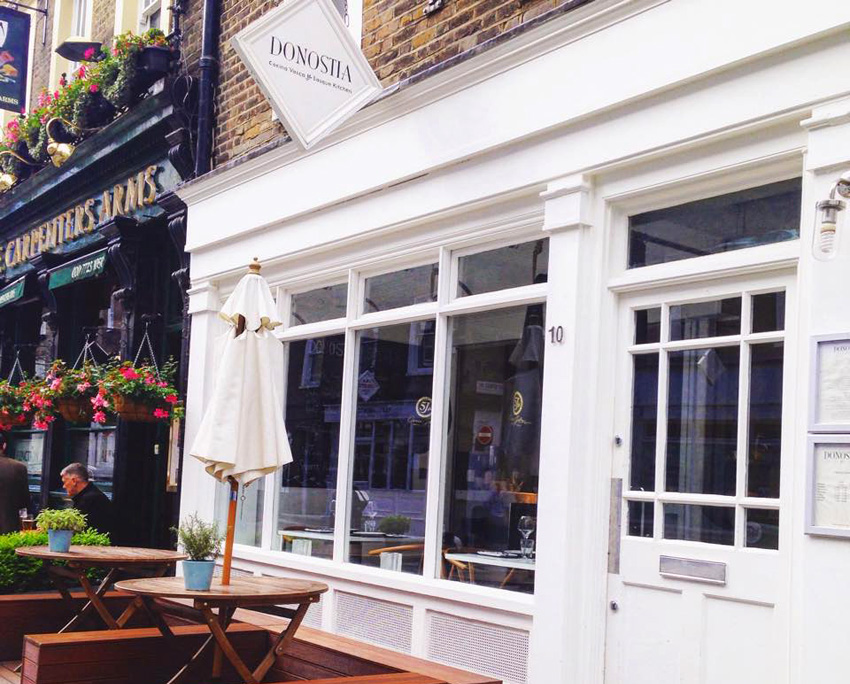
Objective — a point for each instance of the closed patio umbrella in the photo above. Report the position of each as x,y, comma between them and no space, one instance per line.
242,436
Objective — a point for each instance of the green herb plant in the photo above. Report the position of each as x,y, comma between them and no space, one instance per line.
61,519
200,540
394,524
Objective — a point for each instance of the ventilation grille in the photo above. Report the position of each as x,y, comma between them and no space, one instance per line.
313,618
478,646
378,622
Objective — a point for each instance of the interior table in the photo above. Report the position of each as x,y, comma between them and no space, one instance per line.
511,563
117,560
242,592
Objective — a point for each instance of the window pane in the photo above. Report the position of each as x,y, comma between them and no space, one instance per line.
769,312
648,326
762,529
705,319
644,422
758,216
500,269
28,446
249,511
307,495
702,423
765,429
709,524
494,440
641,518
323,304
402,288
391,448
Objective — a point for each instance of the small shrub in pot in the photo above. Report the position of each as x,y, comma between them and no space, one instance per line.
201,541
61,524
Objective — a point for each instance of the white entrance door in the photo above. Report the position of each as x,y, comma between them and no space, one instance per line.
699,572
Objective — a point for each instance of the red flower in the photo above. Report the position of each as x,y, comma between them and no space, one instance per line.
171,398
130,374
93,88
99,417
160,413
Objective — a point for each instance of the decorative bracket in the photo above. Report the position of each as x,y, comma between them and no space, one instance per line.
120,236
176,211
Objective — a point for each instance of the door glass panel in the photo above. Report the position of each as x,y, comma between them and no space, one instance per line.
769,312
641,518
765,428
648,326
322,304
499,269
644,422
709,524
391,450
705,319
702,420
762,529
402,288
307,495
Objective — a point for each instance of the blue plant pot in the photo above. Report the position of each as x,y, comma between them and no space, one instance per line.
197,575
59,541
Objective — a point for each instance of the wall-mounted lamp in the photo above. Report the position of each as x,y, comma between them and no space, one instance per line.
826,235
76,49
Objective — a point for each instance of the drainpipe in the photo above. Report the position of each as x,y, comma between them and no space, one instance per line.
206,96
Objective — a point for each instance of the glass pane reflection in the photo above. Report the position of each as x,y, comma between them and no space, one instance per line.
322,304
762,529
644,422
494,440
499,269
705,319
641,518
391,448
765,428
709,524
401,288
307,496
702,423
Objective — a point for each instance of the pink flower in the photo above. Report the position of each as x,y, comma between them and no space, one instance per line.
56,94
56,384
99,417
160,413
171,398
39,425
130,374
150,380
82,72
99,402
83,386
88,54
93,88
162,383
27,406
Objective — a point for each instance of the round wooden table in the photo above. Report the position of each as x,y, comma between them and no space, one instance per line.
242,592
124,560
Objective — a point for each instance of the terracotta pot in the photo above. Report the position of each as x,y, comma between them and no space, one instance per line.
75,409
133,411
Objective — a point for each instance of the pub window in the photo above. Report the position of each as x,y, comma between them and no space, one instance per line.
748,218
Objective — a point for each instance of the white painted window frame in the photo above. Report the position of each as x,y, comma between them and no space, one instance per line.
447,305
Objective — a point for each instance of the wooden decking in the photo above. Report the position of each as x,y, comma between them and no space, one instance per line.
8,674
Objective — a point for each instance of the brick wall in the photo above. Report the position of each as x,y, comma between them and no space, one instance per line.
103,21
40,71
399,40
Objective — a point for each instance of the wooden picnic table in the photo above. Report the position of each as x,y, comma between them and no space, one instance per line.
242,592
118,560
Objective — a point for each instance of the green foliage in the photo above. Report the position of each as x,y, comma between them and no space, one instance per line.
19,574
61,519
200,540
394,524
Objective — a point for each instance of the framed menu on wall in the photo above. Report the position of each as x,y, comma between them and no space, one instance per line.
830,395
828,488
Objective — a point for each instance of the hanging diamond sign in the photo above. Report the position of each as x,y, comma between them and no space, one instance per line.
308,66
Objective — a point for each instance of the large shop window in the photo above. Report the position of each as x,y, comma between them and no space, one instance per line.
749,218
367,453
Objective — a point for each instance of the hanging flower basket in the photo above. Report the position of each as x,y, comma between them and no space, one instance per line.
134,411
75,409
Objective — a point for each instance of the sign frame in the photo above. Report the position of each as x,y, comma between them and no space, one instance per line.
305,133
814,527
816,424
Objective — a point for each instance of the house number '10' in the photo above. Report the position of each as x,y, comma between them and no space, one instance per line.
556,334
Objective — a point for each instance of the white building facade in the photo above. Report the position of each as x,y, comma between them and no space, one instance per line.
629,192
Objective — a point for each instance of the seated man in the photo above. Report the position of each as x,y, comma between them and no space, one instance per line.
87,497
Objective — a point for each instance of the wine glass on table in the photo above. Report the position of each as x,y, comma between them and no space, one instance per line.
527,525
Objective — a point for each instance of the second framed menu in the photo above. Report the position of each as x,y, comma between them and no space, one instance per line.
830,395
828,489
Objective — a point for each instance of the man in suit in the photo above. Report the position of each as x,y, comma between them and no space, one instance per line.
87,497
14,490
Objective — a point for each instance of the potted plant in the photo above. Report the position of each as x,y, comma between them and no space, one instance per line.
13,405
143,393
395,524
61,524
201,541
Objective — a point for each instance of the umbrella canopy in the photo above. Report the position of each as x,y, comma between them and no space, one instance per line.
242,435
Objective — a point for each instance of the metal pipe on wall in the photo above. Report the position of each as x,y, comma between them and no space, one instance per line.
208,67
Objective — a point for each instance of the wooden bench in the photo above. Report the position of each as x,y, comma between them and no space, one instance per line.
22,614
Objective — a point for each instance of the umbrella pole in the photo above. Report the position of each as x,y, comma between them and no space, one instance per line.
231,532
